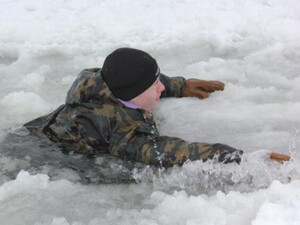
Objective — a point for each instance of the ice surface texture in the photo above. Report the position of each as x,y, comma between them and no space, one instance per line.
252,46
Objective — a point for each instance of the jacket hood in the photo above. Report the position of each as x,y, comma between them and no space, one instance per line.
89,88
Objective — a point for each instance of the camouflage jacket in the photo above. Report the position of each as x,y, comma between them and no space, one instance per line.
93,121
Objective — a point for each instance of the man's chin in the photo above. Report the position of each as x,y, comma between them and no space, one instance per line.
153,107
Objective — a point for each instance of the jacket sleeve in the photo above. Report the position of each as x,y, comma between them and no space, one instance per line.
142,143
174,86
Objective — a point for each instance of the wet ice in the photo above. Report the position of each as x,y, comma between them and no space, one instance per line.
252,46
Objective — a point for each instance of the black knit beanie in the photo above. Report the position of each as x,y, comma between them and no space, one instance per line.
129,72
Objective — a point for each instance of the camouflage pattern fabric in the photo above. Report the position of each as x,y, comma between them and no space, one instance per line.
93,121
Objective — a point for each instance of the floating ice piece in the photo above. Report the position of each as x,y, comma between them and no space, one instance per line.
24,102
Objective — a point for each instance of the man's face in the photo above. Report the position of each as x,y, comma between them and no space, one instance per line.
148,99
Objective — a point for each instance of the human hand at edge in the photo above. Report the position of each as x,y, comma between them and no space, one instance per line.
201,88
279,157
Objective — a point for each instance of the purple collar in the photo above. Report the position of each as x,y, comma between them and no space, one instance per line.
128,104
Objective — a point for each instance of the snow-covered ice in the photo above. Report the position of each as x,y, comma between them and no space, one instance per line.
252,46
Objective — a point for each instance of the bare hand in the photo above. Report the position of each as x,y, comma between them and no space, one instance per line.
201,88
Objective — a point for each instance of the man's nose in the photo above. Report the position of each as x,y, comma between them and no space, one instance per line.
161,86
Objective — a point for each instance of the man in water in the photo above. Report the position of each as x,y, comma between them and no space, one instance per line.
109,110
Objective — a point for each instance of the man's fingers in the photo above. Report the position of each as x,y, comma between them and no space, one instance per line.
200,94
279,157
218,85
212,86
201,88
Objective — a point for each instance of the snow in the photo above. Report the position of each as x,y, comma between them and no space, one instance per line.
252,46
40,201
18,101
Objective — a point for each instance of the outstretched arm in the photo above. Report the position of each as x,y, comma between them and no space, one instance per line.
142,143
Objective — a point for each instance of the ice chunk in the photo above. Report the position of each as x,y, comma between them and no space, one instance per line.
24,102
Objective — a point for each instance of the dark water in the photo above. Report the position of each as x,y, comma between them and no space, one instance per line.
36,156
